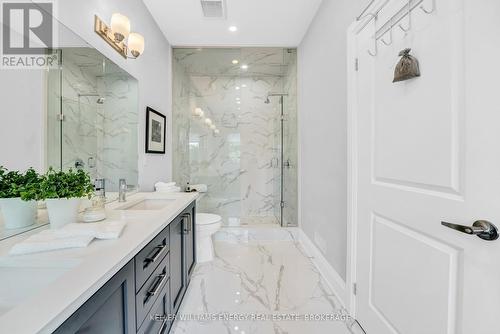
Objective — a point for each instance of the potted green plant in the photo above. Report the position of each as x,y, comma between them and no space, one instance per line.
63,192
18,197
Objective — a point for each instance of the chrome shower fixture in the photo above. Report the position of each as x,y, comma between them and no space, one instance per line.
267,101
100,99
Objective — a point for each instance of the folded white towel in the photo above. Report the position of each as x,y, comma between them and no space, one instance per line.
168,189
43,242
75,235
103,230
164,184
201,188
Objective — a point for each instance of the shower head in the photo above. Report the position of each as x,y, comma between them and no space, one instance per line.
101,100
267,101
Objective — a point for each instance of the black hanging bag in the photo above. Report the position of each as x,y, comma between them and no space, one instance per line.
407,67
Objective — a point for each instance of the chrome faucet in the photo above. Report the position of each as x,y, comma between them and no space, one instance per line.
122,190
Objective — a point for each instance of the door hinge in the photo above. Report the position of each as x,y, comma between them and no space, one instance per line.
60,117
354,288
356,64
282,204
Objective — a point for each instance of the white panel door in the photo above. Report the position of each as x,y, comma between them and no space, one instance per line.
428,150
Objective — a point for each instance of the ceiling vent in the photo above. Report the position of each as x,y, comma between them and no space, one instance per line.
214,9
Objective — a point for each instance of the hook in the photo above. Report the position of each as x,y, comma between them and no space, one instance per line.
429,11
409,19
390,35
373,54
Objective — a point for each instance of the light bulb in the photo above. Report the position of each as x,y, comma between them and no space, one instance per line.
135,44
198,112
120,25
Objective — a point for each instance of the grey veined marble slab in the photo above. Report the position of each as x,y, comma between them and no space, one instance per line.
258,274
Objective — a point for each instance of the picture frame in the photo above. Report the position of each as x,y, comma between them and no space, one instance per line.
156,131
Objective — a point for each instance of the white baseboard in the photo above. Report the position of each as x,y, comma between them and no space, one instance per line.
332,278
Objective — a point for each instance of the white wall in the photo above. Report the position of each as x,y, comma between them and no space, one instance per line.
322,99
152,70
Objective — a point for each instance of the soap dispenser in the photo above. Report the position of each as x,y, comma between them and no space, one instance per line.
96,212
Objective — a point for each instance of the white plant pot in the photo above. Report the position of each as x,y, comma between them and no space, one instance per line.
62,211
18,213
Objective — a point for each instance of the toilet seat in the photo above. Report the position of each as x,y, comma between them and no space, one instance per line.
206,225
204,219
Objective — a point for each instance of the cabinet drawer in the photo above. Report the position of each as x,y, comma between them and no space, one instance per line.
151,290
157,321
150,256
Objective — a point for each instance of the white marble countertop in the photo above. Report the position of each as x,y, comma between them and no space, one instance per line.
38,292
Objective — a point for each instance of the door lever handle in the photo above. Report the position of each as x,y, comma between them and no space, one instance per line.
482,228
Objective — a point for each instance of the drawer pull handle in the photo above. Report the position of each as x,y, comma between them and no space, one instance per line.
189,226
157,286
157,251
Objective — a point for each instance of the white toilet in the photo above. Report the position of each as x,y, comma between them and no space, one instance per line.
206,226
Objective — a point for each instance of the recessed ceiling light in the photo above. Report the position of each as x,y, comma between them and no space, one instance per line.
235,61
233,28
244,67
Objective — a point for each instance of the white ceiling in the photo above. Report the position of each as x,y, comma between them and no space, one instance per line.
259,22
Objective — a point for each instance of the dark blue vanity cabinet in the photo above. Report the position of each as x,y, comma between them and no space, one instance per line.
182,254
142,295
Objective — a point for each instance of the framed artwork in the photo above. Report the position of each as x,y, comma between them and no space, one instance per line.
156,131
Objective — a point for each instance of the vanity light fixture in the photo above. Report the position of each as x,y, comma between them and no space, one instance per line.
118,35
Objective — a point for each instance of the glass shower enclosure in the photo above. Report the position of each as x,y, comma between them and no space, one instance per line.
233,131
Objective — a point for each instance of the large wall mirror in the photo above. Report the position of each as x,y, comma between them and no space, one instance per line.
81,113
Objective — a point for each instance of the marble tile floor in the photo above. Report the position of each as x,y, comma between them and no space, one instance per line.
261,281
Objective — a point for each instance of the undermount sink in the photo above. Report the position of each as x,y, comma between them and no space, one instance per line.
148,205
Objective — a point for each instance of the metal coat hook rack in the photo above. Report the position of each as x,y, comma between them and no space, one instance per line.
409,19
429,11
390,35
394,20
373,54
